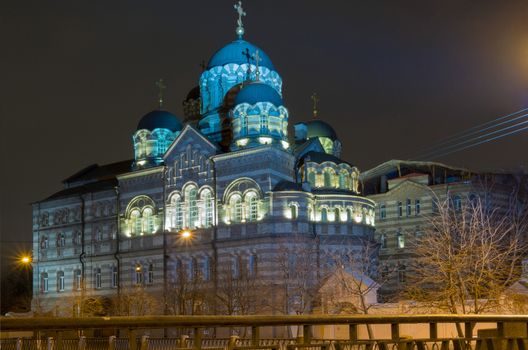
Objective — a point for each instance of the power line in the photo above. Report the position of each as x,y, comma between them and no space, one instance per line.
453,148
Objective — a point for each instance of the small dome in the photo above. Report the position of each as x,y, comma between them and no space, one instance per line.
233,53
159,120
318,128
258,92
321,157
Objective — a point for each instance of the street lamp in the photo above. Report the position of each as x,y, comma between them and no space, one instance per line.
186,234
25,260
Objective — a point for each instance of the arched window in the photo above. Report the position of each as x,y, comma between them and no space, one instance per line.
311,177
77,279
44,286
148,220
337,214
349,214
324,215
355,183
293,211
252,206
150,276
329,174
236,208
135,222
60,281
400,239
207,200
343,180
97,278
192,207
177,217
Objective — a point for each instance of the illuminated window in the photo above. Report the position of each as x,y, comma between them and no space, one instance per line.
135,220
382,211
337,214
97,278
148,220
138,272
293,211
208,208
190,197
60,281
236,208
329,177
252,204
263,124
44,287
311,177
178,215
400,239
343,179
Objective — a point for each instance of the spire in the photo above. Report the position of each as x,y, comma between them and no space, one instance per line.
315,100
161,87
240,25
257,59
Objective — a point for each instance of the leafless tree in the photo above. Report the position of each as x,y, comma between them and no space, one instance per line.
135,301
188,293
468,256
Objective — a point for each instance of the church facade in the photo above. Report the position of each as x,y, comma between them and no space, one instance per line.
220,201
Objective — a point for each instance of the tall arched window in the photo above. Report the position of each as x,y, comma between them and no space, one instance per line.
207,199
324,215
135,222
252,206
77,280
343,180
329,177
192,207
311,177
97,278
148,220
60,281
236,208
293,211
337,214
355,183
44,286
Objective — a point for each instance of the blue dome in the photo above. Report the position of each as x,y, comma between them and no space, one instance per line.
159,120
232,53
258,92
318,128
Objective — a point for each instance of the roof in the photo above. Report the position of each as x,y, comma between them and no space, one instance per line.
321,157
96,172
233,53
414,166
258,92
285,185
319,128
85,188
159,119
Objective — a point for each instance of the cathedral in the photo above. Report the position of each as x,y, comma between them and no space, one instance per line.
221,202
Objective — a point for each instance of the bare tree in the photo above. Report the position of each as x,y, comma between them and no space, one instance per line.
135,301
468,256
188,293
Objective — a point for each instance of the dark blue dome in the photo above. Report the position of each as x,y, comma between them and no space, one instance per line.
159,120
232,53
318,128
258,92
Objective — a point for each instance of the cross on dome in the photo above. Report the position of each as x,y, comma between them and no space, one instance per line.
161,87
257,59
240,25
315,100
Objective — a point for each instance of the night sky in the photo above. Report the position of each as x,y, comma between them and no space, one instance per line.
393,77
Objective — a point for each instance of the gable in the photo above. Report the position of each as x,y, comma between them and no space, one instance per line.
193,138
312,145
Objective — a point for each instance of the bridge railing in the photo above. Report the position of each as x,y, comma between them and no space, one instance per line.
133,326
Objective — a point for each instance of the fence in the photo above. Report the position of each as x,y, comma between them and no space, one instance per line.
500,338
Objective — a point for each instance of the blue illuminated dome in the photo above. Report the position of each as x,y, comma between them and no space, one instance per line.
258,92
318,128
233,53
160,120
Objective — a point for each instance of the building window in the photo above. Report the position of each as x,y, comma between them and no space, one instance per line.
337,214
44,242
61,240
178,213
383,241
236,208
97,278
208,207
400,239
77,280
324,215
148,220
191,269
343,179
60,281
382,211
329,177
293,211
457,203
138,273
252,203
44,287
236,267
400,209
416,207
150,276
252,268
408,207
135,220
190,196
401,274
311,177
115,277
207,268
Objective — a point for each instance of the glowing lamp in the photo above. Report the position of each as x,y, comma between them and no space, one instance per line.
186,234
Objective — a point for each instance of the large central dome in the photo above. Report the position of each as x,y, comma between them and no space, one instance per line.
234,53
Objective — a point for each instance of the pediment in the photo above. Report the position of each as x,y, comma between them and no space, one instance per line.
190,136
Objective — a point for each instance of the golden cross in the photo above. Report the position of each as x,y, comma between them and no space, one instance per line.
315,100
161,87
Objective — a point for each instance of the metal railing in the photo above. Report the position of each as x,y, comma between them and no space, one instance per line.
134,325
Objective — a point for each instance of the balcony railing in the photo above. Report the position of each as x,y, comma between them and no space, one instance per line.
498,338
